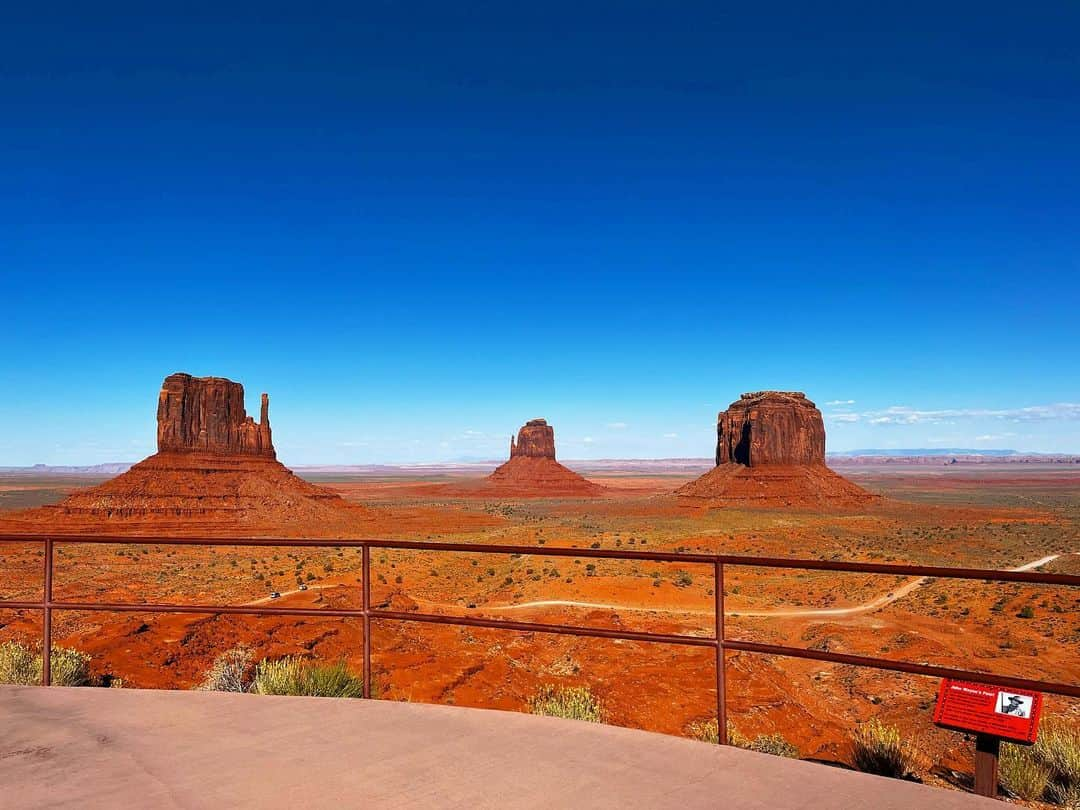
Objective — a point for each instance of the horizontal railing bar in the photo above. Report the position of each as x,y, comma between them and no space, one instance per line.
894,569
38,605
416,545
251,610
559,629
358,613
1069,690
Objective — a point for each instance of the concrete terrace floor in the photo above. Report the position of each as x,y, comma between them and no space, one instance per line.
110,748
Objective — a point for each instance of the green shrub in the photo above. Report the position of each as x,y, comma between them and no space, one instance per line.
296,676
229,672
20,664
879,749
775,744
570,702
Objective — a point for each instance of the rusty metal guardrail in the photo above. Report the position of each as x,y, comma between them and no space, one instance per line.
719,641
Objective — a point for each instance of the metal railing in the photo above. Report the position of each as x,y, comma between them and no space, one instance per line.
719,641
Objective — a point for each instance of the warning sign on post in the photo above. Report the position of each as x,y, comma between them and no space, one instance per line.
1011,714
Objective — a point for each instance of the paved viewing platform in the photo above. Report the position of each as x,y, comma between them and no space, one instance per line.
109,748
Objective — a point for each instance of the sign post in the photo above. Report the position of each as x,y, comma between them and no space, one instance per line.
993,713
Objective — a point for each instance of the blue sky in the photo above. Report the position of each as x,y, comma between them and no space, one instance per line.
417,227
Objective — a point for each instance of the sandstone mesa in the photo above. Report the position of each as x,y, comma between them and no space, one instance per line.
770,451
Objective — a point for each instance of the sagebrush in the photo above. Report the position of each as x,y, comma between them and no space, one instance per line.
230,672
880,749
296,676
21,664
569,702
1047,771
775,744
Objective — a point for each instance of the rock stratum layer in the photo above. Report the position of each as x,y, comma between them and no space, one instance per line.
215,473
771,427
207,415
536,439
770,452
533,470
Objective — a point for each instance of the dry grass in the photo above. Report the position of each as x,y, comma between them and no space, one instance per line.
775,744
881,750
297,676
1049,770
569,702
21,664
1022,773
230,672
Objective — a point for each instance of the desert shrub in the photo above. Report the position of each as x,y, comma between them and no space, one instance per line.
20,664
569,702
1022,773
229,672
879,749
1048,770
1059,747
296,676
708,731
775,744
68,667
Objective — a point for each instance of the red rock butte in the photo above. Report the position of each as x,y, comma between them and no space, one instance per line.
533,470
770,451
215,472
206,415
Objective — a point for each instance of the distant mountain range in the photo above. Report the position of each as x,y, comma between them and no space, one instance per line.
930,451
660,466
112,468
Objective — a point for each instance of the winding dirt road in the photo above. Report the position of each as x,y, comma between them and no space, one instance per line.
866,607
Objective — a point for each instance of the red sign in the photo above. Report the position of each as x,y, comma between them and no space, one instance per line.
1011,714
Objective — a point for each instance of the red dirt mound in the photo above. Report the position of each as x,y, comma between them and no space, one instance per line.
532,469
194,493
774,485
532,475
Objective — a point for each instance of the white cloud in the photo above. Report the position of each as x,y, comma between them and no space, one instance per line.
588,440
843,417
841,402
905,415
671,435
994,437
617,426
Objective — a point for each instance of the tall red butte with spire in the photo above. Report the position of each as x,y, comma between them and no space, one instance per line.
770,451
532,468
215,472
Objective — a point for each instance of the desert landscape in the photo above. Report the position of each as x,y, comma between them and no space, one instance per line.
770,493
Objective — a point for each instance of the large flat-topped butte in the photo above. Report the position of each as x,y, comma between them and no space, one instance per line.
112,748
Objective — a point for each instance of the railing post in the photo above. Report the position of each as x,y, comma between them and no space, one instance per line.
721,664
365,578
46,616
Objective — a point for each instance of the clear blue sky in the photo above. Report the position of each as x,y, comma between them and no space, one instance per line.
418,225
